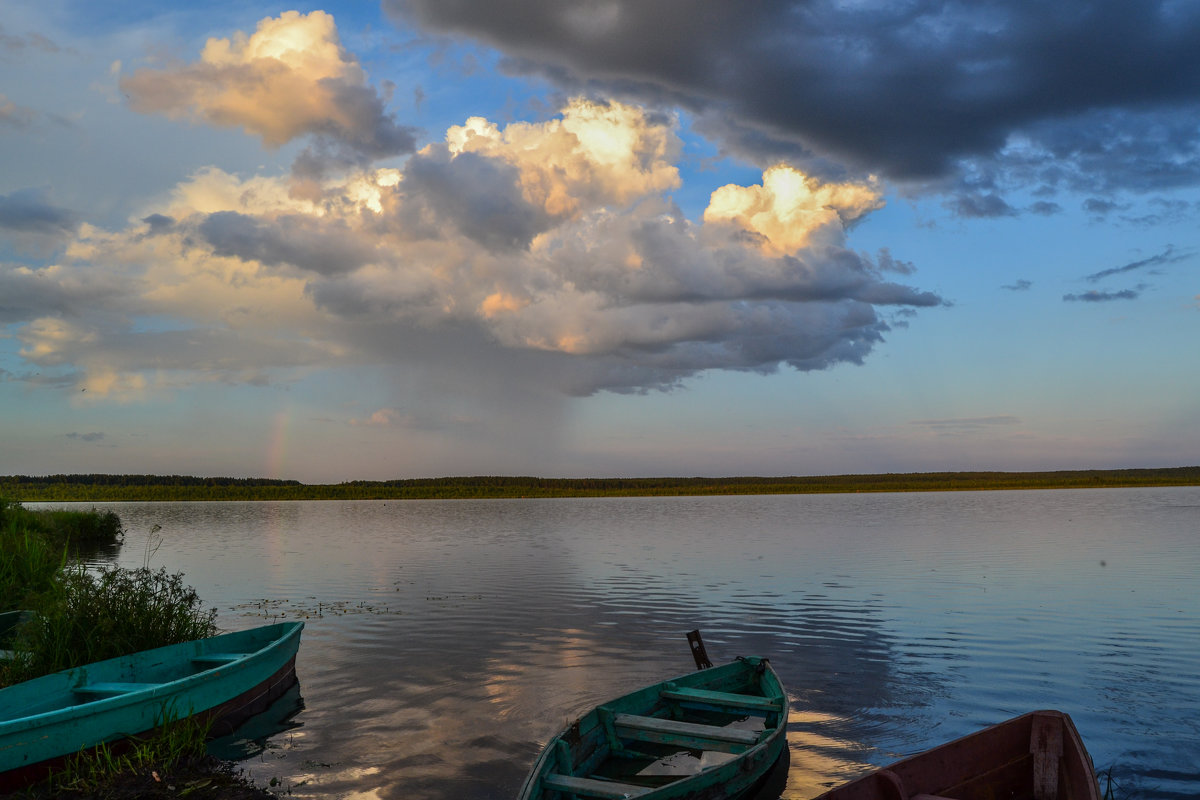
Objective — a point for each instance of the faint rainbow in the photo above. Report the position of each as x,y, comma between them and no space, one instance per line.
276,462
277,443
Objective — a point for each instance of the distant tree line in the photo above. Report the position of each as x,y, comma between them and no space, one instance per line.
99,487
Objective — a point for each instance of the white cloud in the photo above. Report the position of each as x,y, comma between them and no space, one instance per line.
551,245
290,78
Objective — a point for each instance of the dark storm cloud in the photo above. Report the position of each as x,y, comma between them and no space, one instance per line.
29,211
906,89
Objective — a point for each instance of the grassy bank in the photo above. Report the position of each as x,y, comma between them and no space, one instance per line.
100,488
83,615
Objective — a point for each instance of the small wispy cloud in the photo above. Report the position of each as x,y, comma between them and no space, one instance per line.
1168,256
1101,297
1021,285
383,418
966,423
95,436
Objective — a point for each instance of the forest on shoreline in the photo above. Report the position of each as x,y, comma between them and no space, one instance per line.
102,487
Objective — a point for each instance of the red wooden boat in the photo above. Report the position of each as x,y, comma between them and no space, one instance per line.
1037,756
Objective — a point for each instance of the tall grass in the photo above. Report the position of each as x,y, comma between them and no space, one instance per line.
28,565
78,530
90,616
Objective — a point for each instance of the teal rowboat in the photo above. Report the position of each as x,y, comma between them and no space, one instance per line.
708,735
226,679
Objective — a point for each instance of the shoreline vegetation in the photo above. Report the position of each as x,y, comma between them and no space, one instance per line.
79,614
114,488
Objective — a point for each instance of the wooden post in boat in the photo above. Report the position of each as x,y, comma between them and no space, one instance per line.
698,651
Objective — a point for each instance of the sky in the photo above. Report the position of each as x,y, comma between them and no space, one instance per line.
578,238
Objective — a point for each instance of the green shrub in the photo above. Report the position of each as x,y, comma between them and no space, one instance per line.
81,529
91,615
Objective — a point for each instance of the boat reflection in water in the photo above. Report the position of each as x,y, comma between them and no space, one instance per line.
253,737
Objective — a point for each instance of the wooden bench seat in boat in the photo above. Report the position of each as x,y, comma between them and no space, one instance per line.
113,687
706,697
590,787
217,658
691,735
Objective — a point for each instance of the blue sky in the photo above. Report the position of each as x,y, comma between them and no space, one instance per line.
350,241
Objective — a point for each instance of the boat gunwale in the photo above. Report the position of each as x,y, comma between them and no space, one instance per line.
288,631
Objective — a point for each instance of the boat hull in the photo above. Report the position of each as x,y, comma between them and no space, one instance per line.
724,762
223,680
1036,756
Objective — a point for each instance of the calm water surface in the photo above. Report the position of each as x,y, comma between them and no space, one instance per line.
447,641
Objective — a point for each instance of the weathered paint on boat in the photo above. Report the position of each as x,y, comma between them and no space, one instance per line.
225,679
1037,756
726,726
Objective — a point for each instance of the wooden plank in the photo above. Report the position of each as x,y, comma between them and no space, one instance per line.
218,658
590,787
699,654
1046,744
690,735
721,699
113,688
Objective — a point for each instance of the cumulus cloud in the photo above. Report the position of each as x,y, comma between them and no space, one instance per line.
550,251
1073,94
289,79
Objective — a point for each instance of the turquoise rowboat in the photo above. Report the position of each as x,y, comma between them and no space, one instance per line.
225,679
708,735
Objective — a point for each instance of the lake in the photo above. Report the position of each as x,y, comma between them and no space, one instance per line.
446,641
